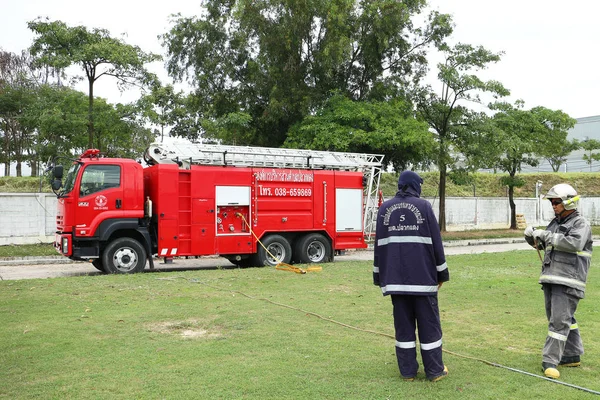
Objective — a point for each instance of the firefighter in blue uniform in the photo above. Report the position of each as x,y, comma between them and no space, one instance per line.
567,244
410,266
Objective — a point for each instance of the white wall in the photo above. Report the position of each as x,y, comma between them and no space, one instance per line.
27,218
468,213
31,217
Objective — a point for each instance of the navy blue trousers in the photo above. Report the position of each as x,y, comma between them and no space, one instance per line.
411,312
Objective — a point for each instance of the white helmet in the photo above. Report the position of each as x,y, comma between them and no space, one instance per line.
564,192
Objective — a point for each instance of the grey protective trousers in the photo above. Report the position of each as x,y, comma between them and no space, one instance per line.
563,338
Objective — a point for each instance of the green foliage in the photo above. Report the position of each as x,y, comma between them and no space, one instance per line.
163,106
491,185
58,116
461,177
11,184
121,134
512,181
27,250
521,136
234,128
166,327
518,137
455,126
277,61
555,125
376,127
590,145
98,54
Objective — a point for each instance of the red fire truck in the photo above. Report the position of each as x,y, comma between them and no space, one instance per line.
251,205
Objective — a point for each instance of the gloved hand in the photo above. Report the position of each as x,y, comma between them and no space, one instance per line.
529,231
537,234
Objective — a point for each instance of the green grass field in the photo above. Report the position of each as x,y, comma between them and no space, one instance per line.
227,334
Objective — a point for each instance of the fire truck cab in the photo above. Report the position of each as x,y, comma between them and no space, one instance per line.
253,206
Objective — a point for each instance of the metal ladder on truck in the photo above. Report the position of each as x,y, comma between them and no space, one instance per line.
186,153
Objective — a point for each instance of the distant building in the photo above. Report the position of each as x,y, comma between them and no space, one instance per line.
586,128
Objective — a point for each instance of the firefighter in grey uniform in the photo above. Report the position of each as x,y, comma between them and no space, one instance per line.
567,245
410,266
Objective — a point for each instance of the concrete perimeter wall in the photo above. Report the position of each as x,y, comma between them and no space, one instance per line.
31,217
469,213
27,218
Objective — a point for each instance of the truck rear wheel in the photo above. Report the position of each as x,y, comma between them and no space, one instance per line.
124,256
313,248
279,248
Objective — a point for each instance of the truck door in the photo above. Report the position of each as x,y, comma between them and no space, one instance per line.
100,196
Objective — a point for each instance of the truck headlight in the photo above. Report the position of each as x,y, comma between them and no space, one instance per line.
65,245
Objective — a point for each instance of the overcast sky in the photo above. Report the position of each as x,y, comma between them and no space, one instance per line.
550,46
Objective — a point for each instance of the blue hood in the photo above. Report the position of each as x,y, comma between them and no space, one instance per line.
409,183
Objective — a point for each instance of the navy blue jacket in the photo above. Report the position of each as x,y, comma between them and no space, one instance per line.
409,255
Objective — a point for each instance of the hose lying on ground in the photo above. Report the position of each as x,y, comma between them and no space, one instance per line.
382,334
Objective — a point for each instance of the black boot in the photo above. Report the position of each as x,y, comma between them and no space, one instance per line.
572,361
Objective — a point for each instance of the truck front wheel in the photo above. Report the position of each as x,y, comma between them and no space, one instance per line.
124,256
97,263
278,249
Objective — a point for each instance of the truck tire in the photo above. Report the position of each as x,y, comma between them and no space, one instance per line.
242,263
313,248
97,263
124,256
278,246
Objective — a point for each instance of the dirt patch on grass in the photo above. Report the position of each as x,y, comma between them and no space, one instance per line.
187,329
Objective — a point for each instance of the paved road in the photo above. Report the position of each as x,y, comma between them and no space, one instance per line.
33,268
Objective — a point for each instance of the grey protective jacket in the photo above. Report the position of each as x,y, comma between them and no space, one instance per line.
568,251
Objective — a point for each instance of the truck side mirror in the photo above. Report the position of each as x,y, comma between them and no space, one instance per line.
57,172
56,184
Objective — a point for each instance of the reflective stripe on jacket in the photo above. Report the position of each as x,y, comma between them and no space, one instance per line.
568,251
409,255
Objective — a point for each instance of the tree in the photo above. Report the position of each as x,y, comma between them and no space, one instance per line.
122,134
58,45
387,128
18,81
14,102
559,152
262,66
446,112
58,116
521,137
162,106
555,126
590,145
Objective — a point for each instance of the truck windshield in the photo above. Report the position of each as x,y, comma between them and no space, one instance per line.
70,180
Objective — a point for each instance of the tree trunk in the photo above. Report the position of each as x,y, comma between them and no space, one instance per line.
442,190
34,168
7,135
513,208
91,115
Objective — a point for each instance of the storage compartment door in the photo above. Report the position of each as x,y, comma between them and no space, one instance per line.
232,201
348,210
